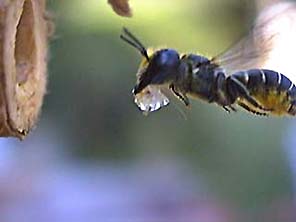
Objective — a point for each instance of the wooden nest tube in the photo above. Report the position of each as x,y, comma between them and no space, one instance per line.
23,60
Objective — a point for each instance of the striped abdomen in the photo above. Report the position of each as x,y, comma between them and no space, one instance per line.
272,90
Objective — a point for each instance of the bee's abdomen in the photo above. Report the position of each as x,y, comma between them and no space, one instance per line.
273,90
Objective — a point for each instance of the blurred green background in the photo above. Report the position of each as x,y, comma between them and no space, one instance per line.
89,119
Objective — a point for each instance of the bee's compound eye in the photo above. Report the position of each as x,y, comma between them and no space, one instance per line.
162,69
167,57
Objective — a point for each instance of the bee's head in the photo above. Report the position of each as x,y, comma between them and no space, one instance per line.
157,68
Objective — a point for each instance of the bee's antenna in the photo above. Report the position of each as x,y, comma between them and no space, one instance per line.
133,41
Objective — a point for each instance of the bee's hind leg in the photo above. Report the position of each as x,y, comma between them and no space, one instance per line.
249,109
237,89
180,95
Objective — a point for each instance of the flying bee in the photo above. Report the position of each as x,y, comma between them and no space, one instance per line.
217,80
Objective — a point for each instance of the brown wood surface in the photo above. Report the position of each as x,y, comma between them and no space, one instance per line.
23,59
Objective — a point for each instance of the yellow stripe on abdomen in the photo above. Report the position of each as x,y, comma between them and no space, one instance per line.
276,101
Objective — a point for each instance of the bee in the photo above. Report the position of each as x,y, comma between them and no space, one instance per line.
258,91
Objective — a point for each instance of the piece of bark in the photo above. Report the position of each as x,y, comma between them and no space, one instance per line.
121,7
23,59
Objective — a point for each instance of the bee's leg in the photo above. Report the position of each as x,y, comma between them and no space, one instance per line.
292,108
237,89
226,109
218,93
229,108
232,108
180,95
251,110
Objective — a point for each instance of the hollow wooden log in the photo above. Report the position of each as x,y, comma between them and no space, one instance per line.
23,59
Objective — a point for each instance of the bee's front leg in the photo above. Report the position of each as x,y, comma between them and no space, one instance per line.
180,95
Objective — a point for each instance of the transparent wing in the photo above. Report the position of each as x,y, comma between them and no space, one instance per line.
255,49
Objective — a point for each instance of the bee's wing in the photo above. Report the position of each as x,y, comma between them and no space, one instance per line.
254,50
249,52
